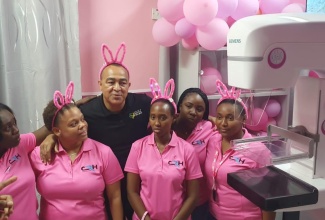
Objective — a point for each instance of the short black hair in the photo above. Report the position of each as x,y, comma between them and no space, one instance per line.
7,108
200,93
239,106
171,106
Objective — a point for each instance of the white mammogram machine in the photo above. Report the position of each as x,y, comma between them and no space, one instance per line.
271,51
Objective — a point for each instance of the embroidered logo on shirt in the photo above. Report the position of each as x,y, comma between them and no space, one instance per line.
135,113
237,159
89,168
176,163
198,142
12,161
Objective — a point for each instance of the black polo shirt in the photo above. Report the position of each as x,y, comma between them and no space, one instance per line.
118,130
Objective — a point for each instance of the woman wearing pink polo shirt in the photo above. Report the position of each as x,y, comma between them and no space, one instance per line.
73,184
193,126
226,203
14,161
163,170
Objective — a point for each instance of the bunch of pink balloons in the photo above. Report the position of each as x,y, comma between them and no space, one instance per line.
260,118
207,22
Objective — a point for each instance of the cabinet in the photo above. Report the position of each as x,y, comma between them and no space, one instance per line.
188,74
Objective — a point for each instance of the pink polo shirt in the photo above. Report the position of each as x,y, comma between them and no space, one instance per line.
15,162
230,204
75,191
199,139
163,175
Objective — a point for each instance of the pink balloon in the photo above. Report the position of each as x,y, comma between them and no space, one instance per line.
270,121
200,12
298,1
272,108
258,120
208,80
171,10
208,71
184,29
190,43
294,8
245,8
273,6
164,33
226,8
205,61
213,35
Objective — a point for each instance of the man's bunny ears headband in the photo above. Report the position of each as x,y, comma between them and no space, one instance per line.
60,101
118,59
230,94
156,91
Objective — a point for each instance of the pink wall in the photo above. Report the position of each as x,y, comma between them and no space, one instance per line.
112,22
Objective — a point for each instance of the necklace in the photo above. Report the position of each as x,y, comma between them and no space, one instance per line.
72,154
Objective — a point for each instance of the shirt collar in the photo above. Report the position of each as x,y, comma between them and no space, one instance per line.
246,134
172,143
87,145
128,104
199,126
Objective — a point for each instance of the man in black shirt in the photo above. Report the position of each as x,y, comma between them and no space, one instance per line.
117,118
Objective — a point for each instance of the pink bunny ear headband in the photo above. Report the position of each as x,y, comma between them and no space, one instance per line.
230,94
118,59
156,91
60,101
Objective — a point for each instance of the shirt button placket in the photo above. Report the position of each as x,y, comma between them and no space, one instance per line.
70,168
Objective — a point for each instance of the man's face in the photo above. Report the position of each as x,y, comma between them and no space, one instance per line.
114,84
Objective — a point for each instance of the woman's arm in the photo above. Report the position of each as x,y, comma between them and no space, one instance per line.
192,189
41,137
268,215
133,190
41,134
113,192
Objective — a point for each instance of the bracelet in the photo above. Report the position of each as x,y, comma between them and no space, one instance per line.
144,215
